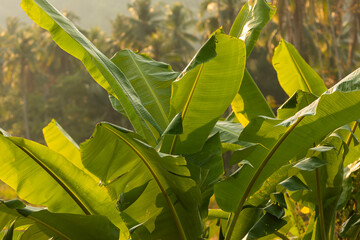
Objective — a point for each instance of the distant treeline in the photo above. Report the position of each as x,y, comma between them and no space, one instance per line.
38,81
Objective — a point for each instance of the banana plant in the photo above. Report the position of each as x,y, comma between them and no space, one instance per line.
158,181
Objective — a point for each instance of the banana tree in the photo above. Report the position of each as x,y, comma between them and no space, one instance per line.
156,182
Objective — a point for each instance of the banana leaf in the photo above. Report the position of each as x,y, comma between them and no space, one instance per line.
204,90
151,81
104,71
206,168
295,103
249,101
60,141
43,177
294,73
281,141
156,196
36,223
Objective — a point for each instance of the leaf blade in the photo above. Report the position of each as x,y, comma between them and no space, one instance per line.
105,72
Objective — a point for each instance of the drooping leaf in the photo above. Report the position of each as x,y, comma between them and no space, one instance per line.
279,199
294,73
204,90
206,167
105,72
294,184
350,228
229,131
354,149
56,225
175,126
241,154
139,176
326,183
322,148
310,164
281,233
151,81
286,140
267,225
43,177
295,103
275,210
229,135
347,184
60,141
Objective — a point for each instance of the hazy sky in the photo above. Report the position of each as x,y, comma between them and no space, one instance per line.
91,12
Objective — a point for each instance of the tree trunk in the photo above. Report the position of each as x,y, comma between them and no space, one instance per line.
299,26
290,33
334,41
313,8
281,16
221,22
23,77
355,8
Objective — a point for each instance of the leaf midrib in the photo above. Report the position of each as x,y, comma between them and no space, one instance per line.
66,188
257,174
227,130
99,57
38,221
160,107
153,173
298,69
186,107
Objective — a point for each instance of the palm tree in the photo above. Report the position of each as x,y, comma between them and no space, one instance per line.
180,42
18,66
135,30
217,13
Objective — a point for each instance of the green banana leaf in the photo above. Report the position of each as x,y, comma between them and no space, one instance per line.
331,174
43,177
229,131
229,135
295,103
151,81
104,72
280,142
36,223
249,101
204,90
206,168
261,197
354,146
252,18
266,225
58,140
156,196
351,227
294,73
327,183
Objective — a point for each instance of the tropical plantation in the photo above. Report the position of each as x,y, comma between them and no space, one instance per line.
228,119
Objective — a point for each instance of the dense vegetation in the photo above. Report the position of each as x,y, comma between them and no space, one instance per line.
35,93
291,174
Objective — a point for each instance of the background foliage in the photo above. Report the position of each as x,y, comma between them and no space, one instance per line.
37,77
